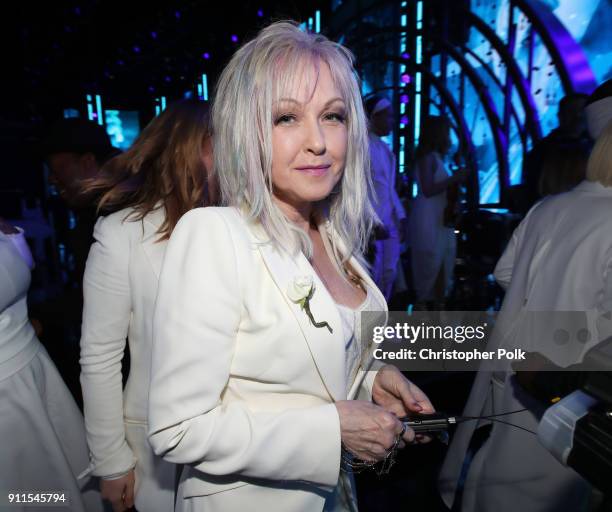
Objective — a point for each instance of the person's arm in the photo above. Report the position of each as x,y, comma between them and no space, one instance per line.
505,265
398,208
106,317
427,169
196,321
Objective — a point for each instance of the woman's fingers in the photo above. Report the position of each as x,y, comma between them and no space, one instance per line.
119,491
367,431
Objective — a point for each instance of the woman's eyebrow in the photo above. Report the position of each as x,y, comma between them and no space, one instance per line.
333,100
292,100
287,100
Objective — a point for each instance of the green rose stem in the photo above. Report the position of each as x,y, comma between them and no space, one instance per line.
305,303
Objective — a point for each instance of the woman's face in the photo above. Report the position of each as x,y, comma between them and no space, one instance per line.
309,141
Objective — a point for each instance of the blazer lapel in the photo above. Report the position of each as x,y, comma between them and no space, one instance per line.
154,249
327,349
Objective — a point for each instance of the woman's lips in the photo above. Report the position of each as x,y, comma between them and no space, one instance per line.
314,170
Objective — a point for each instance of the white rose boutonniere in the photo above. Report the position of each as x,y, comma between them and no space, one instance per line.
301,291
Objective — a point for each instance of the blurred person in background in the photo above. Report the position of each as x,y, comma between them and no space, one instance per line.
559,259
433,243
386,202
571,132
562,169
166,173
43,446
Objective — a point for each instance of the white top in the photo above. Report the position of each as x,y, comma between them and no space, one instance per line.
18,343
351,327
560,259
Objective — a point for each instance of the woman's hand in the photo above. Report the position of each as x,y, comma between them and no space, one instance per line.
368,431
119,491
396,394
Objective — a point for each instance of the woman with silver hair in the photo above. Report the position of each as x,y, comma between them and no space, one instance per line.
257,357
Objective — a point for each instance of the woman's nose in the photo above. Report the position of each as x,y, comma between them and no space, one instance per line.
315,138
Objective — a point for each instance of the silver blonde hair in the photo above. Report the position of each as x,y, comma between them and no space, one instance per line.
260,73
599,167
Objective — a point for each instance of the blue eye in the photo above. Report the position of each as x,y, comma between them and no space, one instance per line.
335,116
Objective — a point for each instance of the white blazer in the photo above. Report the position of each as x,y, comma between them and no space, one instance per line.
558,259
120,286
242,385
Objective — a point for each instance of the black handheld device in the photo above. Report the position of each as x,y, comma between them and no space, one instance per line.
434,422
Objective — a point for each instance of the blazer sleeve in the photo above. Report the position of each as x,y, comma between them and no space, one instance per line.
106,317
197,317
505,265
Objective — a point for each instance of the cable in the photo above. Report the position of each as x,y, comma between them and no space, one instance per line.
516,426
490,415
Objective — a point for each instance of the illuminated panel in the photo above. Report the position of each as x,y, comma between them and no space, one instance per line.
317,21
204,87
99,116
419,60
122,127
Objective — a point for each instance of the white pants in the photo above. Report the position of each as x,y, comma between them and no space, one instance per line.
427,264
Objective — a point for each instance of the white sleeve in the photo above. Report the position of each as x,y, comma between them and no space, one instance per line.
505,265
106,316
196,321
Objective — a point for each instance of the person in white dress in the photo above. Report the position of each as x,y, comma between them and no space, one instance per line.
386,202
257,357
434,244
162,176
559,259
43,447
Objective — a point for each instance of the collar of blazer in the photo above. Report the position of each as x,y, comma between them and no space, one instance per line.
153,248
327,349
593,187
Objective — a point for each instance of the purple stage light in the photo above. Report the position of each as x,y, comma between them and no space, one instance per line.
405,55
177,15
405,79
136,49
206,55
404,98
120,62
234,38
404,119
151,88
167,78
260,13
154,35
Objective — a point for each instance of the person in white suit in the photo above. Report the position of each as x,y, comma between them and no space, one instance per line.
162,176
387,203
43,446
257,354
558,259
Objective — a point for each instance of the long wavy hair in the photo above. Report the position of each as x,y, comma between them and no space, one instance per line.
164,168
263,70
